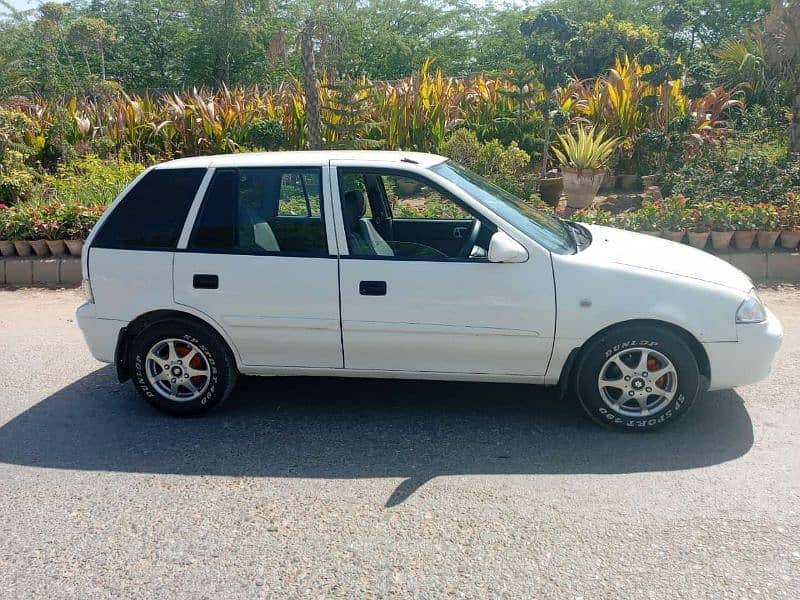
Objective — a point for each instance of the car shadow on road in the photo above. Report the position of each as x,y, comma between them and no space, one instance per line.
356,428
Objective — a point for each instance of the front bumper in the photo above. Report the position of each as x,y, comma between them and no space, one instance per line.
100,334
747,360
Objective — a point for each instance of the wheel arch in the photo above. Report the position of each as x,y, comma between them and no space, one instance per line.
145,320
574,360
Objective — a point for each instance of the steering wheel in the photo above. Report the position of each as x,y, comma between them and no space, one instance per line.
466,249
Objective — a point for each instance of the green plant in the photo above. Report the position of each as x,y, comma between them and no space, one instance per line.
765,216
88,180
789,213
267,134
647,218
594,216
744,218
674,214
588,150
719,215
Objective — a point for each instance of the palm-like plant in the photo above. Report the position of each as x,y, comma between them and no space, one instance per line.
587,150
782,53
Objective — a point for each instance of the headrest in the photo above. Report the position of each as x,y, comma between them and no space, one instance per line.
354,206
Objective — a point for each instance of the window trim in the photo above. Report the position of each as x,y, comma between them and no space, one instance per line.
399,172
191,223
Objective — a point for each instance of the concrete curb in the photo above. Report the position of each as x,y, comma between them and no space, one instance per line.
40,272
66,271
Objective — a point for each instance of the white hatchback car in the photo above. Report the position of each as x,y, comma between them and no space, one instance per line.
404,265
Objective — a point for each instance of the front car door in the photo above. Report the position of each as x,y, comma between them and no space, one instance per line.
258,261
420,299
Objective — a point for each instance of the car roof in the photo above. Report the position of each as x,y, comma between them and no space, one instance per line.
301,158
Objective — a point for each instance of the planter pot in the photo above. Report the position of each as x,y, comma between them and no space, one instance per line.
628,182
407,187
74,246
673,236
581,187
23,247
550,189
649,181
721,240
767,239
697,239
790,239
653,233
743,240
7,248
609,181
40,247
57,247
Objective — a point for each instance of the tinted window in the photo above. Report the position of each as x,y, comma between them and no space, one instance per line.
262,211
152,214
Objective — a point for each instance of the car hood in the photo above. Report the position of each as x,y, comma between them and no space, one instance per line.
655,254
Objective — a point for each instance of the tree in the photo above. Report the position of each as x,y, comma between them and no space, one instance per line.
782,53
311,83
93,33
552,41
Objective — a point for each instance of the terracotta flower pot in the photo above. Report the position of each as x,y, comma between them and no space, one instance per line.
790,239
649,181
609,181
57,247
673,236
23,247
7,248
697,239
550,189
627,182
40,247
743,240
652,233
767,239
581,187
721,240
75,247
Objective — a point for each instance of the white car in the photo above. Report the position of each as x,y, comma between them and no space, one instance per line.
403,265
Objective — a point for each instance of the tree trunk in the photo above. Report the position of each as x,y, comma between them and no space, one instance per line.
102,63
310,86
794,136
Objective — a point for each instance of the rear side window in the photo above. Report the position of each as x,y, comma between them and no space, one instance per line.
152,214
264,210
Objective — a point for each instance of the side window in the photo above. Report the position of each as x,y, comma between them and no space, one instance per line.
411,199
262,211
152,214
426,223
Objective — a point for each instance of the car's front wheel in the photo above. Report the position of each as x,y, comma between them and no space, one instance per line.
182,368
637,378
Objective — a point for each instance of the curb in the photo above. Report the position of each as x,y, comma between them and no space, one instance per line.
44,272
40,272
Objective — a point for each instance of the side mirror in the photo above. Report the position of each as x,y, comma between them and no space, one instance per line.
504,249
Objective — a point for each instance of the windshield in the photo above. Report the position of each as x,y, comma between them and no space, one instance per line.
546,229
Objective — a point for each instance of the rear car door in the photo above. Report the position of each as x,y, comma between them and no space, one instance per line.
258,261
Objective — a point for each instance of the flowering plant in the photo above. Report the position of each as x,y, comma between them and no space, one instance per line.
674,214
789,213
765,216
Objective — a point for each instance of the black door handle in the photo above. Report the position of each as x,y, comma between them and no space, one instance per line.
205,282
372,288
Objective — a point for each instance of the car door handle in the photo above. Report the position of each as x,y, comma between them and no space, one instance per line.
203,281
372,288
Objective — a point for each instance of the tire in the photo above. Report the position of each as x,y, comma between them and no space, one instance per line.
638,403
194,387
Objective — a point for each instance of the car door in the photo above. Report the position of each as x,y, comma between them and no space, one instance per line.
438,312
257,261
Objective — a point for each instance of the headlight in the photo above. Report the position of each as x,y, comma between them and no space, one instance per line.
751,310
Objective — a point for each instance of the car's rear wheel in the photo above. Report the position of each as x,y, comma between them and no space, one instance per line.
637,377
182,368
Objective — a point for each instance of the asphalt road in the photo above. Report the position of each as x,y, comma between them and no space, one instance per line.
329,488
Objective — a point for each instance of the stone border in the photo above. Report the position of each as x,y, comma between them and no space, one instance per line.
40,272
66,270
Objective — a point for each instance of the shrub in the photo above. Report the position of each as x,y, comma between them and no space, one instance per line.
268,134
88,180
594,216
765,216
